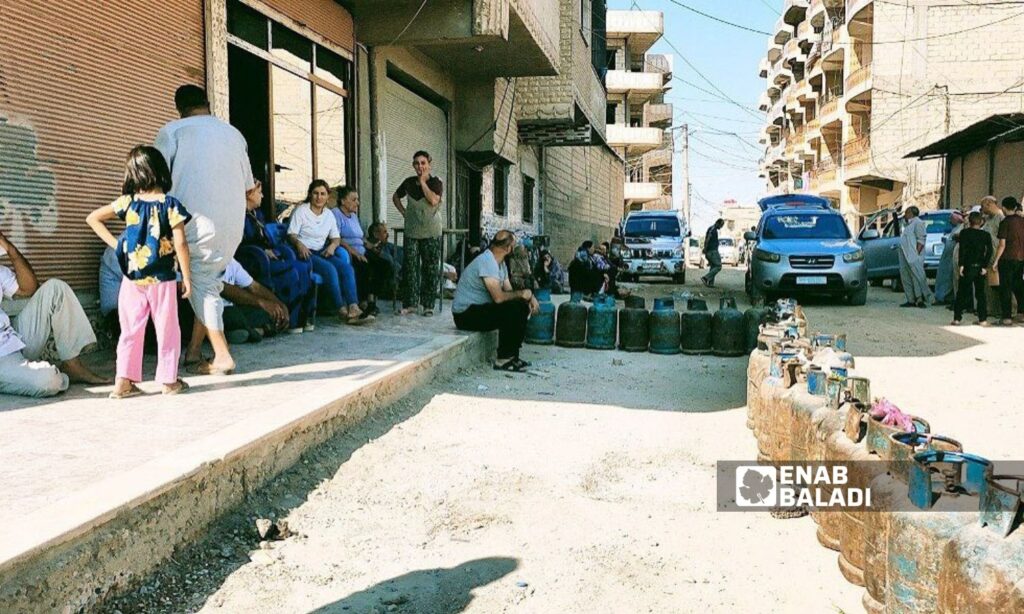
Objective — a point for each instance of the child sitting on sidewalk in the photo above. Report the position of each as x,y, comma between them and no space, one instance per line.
151,251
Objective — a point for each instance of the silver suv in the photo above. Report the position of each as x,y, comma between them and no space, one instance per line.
803,246
655,245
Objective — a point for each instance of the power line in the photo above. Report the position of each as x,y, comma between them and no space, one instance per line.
409,25
719,19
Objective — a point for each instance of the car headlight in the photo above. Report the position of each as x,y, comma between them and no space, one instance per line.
856,256
937,249
766,256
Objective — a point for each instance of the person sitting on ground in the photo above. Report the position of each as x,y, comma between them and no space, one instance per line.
1010,260
151,251
485,301
367,270
314,234
52,310
974,255
582,276
520,275
275,266
548,273
604,263
251,311
385,255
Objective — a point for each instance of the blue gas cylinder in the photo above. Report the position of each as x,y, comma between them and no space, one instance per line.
663,324
695,328
602,323
540,329
571,324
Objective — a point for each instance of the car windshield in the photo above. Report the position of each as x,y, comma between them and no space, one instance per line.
806,226
937,224
652,227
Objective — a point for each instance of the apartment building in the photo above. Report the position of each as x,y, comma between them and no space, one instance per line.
639,119
507,95
853,86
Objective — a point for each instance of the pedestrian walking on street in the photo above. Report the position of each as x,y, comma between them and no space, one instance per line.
974,255
210,170
911,254
485,301
1010,260
421,269
711,253
151,251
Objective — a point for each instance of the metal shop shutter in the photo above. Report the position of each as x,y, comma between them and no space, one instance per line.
77,91
325,17
411,123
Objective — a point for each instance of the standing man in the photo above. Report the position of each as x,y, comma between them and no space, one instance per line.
421,268
51,311
993,218
212,178
1010,259
911,252
711,253
485,301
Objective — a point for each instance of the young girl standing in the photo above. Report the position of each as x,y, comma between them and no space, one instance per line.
151,252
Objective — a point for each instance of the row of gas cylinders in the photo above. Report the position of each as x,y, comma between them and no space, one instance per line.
662,330
964,554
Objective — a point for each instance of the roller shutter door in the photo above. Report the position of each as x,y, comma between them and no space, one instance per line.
411,123
77,90
325,17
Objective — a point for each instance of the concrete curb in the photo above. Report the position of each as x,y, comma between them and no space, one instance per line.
71,555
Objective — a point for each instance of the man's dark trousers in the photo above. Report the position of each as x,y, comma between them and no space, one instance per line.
1011,285
508,318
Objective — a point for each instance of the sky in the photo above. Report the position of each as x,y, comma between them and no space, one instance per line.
721,167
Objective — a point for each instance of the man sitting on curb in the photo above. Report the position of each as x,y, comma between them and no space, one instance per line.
52,310
485,301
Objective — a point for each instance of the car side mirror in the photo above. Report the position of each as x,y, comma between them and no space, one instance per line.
750,236
869,234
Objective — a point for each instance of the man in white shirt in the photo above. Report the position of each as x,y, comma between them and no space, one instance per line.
251,311
52,311
212,178
911,252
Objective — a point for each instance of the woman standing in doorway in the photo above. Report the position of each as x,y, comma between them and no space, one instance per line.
421,266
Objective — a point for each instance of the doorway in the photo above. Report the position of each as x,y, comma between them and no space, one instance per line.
248,82
468,200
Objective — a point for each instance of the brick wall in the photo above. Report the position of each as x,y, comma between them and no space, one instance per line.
526,164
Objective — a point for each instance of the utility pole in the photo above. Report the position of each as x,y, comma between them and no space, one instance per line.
685,151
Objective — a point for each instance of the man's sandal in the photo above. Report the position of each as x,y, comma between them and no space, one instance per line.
177,387
513,366
133,391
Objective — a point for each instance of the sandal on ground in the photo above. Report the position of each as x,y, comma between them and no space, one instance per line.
133,391
428,313
522,363
177,387
205,367
513,365
360,320
955,323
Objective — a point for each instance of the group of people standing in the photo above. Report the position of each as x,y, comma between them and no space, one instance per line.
194,237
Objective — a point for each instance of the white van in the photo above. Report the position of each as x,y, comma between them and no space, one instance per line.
655,245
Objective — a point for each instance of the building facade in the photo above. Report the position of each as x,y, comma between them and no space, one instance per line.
853,86
508,96
639,119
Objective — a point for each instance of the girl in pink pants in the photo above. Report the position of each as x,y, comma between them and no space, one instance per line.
151,251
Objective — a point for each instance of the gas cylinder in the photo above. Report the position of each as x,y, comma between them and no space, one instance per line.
571,324
728,333
982,567
540,328
633,325
850,524
664,327
916,541
816,381
695,328
826,425
757,371
886,489
838,342
602,323
753,318
878,435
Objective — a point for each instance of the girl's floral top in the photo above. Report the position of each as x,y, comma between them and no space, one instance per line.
145,250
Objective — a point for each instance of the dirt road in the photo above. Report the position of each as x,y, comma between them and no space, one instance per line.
586,488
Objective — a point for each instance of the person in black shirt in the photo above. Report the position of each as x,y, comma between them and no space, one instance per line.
711,253
975,256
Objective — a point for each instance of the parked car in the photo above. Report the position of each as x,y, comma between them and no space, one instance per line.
881,247
728,251
695,253
656,245
803,246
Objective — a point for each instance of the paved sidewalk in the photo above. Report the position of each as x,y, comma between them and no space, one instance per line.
54,448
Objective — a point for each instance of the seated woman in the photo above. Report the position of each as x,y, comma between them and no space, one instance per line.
276,267
583,276
369,271
313,232
548,272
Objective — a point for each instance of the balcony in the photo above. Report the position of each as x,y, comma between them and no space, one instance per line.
857,151
636,87
792,52
794,11
825,175
660,64
829,109
860,16
805,32
659,115
475,39
764,102
658,158
634,140
782,32
780,74
641,192
640,29
833,44
763,67
858,90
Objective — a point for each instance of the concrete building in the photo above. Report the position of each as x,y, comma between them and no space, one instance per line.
639,119
507,95
739,218
853,86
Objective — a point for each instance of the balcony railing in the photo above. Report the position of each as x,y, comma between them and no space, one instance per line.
658,114
858,77
856,151
657,63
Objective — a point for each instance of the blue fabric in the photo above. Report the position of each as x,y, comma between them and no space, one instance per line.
289,278
339,277
944,276
145,251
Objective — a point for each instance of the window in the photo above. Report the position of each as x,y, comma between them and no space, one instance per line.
529,185
652,227
806,226
500,189
609,116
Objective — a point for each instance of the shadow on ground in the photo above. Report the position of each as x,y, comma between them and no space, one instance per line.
438,591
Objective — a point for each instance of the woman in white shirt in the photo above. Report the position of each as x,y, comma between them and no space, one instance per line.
313,232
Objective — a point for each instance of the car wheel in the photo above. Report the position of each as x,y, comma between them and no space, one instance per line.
859,298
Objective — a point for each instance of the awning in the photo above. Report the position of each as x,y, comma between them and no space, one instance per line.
1003,127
